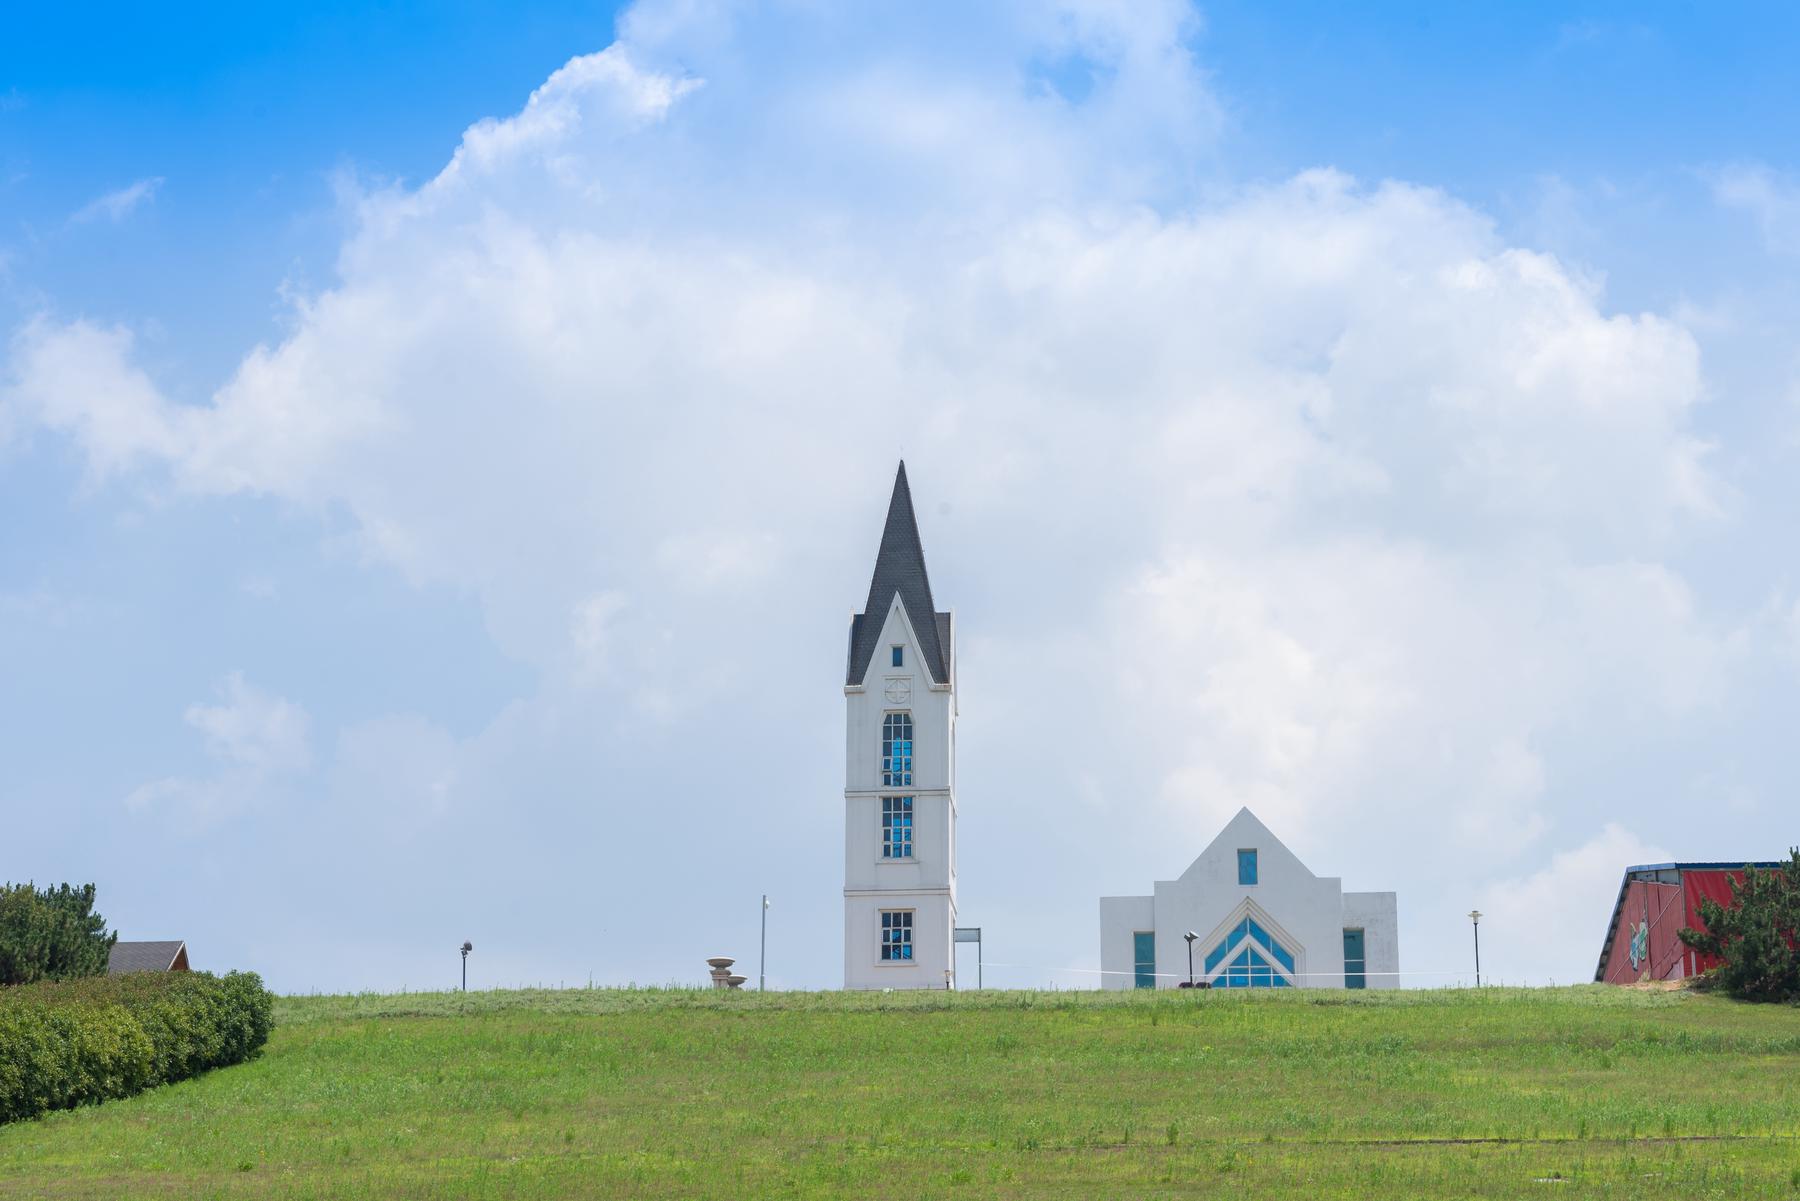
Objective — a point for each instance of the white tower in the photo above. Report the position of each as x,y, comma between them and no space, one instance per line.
900,778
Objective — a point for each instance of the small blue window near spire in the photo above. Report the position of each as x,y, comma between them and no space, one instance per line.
1246,867
899,656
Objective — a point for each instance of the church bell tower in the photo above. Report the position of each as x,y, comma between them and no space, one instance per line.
900,772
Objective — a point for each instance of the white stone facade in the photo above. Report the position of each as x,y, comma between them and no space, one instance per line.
1288,929
921,882
924,883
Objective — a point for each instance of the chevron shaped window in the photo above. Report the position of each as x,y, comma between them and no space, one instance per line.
1244,968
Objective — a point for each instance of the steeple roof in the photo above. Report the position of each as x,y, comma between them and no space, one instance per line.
900,568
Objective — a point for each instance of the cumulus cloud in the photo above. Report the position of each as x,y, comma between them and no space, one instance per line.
399,766
118,205
257,740
1771,198
1526,927
80,379
1312,495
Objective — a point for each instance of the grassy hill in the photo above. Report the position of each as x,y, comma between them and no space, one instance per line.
1579,1092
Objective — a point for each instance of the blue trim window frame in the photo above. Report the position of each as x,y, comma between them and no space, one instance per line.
1247,868
896,827
896,935
1355,960
899,656
1143,952
1258,964
896,750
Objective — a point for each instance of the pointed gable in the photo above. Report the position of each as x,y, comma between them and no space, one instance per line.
1246,830
900,571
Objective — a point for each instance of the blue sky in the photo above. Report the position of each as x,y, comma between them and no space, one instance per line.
1385,421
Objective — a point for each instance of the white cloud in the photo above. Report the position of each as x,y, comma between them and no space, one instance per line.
79,379
116,206
717,560
1315,496
257,739
1311,683
400,766
1550,923
591,632
1771,198
253,729
605,84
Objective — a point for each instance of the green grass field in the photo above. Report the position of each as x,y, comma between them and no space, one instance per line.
1582,1092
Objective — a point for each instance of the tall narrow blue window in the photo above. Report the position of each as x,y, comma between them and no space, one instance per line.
1143,947
896,750
896,935
1354,961
899,657
896,827
1246,867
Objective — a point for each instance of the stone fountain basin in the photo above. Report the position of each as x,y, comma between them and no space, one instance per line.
720,961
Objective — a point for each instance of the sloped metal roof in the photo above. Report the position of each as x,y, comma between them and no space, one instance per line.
143,956
900,568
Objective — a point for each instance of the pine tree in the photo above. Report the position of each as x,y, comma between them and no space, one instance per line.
51,933
1757,935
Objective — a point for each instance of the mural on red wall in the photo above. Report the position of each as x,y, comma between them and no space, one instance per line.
1646,943
1646,946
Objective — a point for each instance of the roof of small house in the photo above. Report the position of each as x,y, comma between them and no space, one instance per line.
144,956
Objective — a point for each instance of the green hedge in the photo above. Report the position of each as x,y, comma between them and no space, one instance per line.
79,1042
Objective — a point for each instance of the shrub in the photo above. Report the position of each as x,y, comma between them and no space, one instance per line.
51,934
1755,935
79,1042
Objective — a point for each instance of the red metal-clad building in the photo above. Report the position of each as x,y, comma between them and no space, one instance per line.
1655,901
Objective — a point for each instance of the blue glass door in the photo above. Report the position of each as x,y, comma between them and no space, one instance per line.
1354,962
1143,944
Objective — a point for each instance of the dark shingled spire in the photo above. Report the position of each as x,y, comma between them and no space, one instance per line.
900,567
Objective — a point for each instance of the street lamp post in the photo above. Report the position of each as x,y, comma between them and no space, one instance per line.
762,960
1475,917
466,948
1190,936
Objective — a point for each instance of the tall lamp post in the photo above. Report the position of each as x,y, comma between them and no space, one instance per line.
1190,936
466,948
1475,917
762,961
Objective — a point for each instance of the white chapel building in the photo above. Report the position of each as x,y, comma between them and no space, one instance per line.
900,772
1259,919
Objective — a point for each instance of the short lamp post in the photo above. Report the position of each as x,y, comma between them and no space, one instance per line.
762,960
1475,917
1190,936
466,948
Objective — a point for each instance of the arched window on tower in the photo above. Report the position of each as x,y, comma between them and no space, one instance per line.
896,750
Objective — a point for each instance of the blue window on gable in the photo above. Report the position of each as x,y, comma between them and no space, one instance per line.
1143,946
899,656
1254,965
1246,867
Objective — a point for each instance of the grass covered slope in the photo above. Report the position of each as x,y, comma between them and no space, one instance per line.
1598,1091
